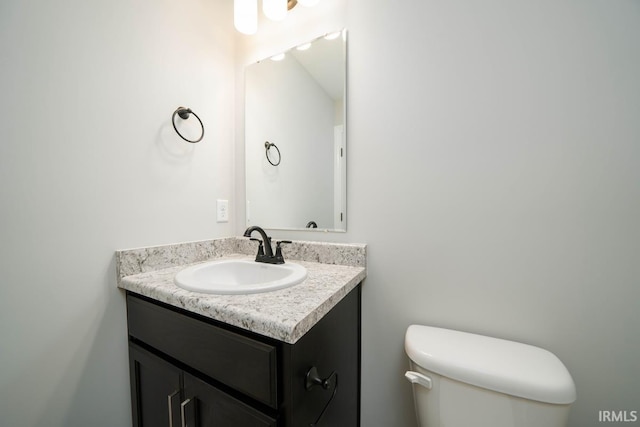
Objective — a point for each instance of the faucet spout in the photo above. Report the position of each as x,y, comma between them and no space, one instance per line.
268,251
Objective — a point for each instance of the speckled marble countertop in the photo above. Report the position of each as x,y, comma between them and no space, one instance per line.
333,270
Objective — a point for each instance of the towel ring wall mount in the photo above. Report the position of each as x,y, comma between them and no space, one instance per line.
184,114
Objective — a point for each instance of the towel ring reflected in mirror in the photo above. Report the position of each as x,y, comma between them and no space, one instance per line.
267,146
184,114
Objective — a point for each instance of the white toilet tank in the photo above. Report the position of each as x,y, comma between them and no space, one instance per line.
462,380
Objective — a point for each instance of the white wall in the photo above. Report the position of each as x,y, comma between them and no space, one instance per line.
89,163
493,171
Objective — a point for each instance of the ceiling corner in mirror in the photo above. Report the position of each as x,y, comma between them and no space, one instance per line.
295,137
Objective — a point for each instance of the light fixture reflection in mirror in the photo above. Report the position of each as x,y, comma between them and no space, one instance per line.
298,103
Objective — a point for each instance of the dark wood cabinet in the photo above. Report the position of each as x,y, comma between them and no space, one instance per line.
191,371
212,407
164,395
156,389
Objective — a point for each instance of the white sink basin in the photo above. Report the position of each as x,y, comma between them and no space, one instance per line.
239,277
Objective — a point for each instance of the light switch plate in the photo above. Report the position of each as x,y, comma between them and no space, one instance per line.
222,209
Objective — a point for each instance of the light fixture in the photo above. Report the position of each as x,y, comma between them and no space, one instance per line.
245,16
245,12
276,10
308,3
304,46
278,57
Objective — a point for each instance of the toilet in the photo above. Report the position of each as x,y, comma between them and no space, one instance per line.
461,380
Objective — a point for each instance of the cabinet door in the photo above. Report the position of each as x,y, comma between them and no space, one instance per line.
206,406
332,346
155,390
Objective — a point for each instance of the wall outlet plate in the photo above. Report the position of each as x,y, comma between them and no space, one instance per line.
222,209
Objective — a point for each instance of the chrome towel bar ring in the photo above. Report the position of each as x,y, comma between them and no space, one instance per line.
184,114
267,146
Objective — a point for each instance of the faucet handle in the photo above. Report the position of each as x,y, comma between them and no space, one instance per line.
260,247
279,257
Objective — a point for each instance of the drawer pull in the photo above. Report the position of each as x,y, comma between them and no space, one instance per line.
183,413
170,405
313,379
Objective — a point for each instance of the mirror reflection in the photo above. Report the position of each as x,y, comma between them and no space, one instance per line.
295,137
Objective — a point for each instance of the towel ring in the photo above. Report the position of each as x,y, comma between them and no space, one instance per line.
267,146
184,114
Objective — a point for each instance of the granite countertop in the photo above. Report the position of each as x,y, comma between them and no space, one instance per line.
333,270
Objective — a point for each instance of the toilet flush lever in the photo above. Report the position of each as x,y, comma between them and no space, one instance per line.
418,378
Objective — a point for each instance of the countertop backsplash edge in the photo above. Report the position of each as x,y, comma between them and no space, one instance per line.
152,258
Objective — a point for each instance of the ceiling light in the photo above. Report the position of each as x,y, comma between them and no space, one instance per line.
245,12
245,16
304,46
278,57
276,10
308,3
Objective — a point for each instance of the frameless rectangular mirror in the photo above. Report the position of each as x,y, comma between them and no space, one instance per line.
295,137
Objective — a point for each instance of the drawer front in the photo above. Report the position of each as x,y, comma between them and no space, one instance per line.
242,363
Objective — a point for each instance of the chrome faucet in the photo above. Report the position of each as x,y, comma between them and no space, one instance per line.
265,252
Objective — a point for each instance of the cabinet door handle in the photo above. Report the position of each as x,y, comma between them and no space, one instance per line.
170,405
183,413
312,379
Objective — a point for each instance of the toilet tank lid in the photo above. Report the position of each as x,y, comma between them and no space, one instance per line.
504,366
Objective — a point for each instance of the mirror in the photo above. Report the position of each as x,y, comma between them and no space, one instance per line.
295,137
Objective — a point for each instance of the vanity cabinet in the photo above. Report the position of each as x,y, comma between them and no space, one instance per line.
164,395
188,370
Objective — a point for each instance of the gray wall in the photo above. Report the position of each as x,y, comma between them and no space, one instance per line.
495,175
89,163
494,172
